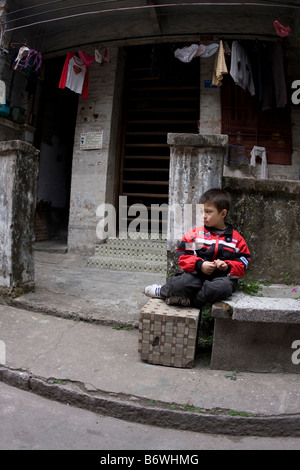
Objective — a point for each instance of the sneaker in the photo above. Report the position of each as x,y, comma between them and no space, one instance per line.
153,291
183,301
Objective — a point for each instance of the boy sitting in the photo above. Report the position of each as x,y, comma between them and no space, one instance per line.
212,258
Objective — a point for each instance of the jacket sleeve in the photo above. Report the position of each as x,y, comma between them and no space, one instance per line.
240,264
187,259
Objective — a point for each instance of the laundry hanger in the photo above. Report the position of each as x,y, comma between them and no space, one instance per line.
3,50
16,44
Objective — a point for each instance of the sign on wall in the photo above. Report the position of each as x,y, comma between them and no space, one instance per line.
91,140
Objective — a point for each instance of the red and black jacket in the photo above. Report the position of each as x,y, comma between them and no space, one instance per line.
204,244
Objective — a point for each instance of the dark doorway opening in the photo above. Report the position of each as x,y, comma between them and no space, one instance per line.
161,95
54,138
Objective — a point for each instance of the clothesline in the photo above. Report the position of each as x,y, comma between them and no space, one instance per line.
257,67
75,71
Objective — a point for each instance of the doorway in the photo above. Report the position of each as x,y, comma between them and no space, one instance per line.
54,138
161,95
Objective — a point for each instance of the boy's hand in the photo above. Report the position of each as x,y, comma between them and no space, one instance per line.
208,267
220,264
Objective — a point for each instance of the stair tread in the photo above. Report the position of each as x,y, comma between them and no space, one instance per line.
138,241
129,251
127,264
142,254
124,259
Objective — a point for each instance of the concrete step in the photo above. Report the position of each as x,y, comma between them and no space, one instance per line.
141,254
142,243
51,246
127,264
132,255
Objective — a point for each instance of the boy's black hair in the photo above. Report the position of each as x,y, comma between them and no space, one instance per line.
219,197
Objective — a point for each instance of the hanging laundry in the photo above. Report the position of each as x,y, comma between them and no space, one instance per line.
74,75
22,54
28,60
227,50
210,50
201,50
259,152
102,55
281,30
256,54
240,68
163,64
220,66
186,54
86,59
33,61
274,82
236,155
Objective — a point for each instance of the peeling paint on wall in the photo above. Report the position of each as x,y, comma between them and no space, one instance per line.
18,180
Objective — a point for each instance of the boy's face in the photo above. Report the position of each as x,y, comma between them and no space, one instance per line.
212,217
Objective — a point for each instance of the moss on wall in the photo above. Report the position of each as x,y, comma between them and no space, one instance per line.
267,214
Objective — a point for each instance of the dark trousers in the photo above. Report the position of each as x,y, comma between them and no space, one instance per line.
200,290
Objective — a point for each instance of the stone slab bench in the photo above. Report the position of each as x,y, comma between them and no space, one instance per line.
168,334
256,334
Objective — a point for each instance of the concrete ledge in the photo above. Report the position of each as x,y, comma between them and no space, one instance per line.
262,186
9,146
258,309
256,334
198,140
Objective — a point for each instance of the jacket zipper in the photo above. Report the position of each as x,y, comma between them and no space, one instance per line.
216,248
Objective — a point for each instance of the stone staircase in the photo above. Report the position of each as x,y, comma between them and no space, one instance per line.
131,255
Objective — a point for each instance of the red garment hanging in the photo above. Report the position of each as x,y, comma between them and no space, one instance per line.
281,30
64,76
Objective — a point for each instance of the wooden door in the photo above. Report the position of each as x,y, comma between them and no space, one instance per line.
247,127
161,96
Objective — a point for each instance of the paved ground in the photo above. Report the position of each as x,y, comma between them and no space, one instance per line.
94,366
31,422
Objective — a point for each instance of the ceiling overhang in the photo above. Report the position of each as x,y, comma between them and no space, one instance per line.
60,25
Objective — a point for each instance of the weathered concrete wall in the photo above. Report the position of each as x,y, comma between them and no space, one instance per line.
93,172
254,346
196,165
267,214
18,180
210,100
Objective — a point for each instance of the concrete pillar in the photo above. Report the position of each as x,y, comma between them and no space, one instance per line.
18,181
196,165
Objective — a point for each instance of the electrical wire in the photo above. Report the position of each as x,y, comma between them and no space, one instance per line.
269,3
141,7
29,8
54,10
